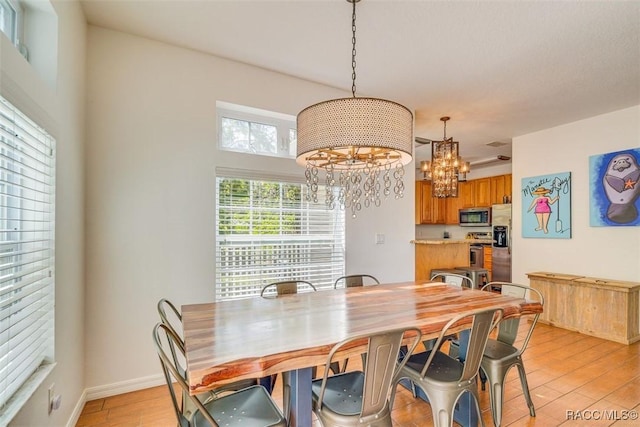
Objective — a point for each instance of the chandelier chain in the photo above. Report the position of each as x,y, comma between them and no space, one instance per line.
353,51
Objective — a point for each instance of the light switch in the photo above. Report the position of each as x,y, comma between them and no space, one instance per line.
379,239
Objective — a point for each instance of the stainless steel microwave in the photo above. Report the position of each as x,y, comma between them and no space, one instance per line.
474,217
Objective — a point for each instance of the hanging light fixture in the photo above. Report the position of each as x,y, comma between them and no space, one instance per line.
362,144
446,166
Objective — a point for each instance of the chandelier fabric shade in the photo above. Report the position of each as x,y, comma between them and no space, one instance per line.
446,166
361,144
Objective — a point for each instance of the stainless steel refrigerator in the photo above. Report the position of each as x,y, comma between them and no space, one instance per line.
501,251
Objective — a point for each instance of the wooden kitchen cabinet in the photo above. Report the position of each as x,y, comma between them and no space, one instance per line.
487,263
500,186
482,192
429,210
454,204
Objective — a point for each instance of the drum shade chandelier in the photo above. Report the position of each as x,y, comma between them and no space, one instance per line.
446,166
362,144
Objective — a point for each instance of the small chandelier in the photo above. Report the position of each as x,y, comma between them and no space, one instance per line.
446,166
361,143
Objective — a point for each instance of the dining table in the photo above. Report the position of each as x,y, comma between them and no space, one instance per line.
257,337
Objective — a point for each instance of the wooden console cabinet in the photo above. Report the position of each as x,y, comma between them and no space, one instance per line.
603,308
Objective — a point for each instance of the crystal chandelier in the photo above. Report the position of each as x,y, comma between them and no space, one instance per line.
446,166
361,144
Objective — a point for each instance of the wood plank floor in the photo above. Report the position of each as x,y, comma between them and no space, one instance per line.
566,371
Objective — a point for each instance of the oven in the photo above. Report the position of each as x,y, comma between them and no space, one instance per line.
476,256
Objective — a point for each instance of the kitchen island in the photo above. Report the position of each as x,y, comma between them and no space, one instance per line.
442,253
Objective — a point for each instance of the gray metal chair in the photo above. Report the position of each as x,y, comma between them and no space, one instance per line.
355,280
501,354
443,378
361,398
248,407
172,318
453,279
286,287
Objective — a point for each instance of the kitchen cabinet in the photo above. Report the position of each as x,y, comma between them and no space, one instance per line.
482,192
487,259
454,204
500,187
475,193
429,210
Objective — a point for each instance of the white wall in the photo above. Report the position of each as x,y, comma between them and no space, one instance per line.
605,252
151,160
59,108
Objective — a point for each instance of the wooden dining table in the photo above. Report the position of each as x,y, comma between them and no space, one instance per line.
256,337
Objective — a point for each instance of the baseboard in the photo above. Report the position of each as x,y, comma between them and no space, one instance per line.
75,415
127,386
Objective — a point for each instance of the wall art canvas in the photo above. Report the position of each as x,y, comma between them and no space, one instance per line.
546,206
614,189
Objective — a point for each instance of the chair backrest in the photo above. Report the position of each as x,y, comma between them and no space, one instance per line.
508,328
483,322
453,279
382,364
165,338
286,287
355,280
172,318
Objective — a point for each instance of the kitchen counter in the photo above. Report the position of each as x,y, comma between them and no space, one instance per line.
429,241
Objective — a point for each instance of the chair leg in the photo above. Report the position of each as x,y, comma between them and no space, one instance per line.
525,389
496,398
286,394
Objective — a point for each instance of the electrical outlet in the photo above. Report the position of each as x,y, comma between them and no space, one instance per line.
51,397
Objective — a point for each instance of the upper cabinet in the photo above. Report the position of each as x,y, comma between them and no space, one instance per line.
429,210
481,192
500,189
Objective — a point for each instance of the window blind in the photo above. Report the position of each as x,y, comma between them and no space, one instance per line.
266,231
27,196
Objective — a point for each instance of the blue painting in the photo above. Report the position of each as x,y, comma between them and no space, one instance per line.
614,188
546,206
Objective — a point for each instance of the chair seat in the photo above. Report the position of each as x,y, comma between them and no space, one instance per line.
443,367
499,351
343,394
251,407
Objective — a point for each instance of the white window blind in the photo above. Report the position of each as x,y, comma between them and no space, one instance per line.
268,232
27,196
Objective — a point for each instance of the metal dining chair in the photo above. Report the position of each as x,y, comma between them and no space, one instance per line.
443,378
361,398
278,289
172,318
502,353
249,407
355,280
286,287
453,279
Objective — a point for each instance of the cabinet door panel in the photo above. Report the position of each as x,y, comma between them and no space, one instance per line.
482,192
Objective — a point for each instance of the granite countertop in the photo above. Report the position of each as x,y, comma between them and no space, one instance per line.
431,241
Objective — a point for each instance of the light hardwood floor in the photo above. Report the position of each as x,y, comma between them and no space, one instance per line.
566,371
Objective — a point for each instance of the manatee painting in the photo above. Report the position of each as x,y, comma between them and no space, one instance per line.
615,188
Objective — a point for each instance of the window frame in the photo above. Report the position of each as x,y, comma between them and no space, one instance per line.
27,257
298,246
284,124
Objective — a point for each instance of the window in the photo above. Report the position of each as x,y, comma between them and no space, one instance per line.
27,199
8,20
267,231
250,130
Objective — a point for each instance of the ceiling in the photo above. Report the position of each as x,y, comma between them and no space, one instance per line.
500,69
